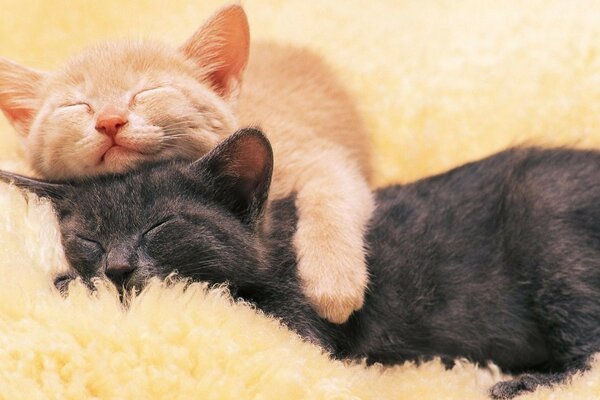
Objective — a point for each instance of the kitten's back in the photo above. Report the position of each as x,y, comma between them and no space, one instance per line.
295,97
495,260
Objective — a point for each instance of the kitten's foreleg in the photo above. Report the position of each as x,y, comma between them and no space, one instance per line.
334,204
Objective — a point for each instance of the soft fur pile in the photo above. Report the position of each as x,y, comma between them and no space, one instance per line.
439,83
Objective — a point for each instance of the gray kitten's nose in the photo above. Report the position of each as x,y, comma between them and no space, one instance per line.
119,274
118,267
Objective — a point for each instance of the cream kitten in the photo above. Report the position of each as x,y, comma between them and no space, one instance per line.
118,105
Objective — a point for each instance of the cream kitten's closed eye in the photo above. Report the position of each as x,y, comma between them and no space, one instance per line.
79,104
155,97
145,91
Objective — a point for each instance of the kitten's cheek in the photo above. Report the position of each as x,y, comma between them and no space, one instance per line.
73,124
137,282
147,121
143,271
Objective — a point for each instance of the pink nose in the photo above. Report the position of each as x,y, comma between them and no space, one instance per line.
110,120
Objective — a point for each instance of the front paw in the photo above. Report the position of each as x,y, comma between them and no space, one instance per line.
515,387
334,281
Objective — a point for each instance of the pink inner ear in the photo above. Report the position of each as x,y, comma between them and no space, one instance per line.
252,158
233,60
16,115
18,93
221,46
20,118
252,165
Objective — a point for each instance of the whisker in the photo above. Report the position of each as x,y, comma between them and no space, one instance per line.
185,149
176,145
195,268
179,124
201,265
177,131
174,136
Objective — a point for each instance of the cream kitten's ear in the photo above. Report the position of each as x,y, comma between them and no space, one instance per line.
221,48
19,94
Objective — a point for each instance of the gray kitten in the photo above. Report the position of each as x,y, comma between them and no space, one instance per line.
497,260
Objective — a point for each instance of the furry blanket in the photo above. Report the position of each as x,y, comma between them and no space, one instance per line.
438,82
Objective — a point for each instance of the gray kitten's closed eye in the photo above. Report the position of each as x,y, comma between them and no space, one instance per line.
90,243
82,248
152,230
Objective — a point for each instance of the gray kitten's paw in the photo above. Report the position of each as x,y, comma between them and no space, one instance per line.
520,385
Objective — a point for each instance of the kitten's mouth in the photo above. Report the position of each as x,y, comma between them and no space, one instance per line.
117,153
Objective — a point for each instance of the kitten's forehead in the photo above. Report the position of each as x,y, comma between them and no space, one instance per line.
111,68
129,202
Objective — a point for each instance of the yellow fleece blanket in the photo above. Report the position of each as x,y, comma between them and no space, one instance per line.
439,82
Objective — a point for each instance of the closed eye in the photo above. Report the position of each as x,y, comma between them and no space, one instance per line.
148,90
89,241
157,227
79,104
133,98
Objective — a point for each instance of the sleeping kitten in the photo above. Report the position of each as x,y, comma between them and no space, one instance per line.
119,105
498,260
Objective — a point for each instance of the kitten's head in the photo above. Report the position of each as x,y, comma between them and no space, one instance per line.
118,105
198,219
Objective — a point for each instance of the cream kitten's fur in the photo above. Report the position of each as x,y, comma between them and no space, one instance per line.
120,104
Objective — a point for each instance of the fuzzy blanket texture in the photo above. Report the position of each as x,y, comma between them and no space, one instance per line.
439,82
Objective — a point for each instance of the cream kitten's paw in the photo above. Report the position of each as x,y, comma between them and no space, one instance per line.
334,273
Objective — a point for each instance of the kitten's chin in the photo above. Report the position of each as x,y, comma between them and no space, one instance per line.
118,153
119,159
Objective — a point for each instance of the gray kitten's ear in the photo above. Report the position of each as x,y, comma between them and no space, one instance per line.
221,48
41,188
238,173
